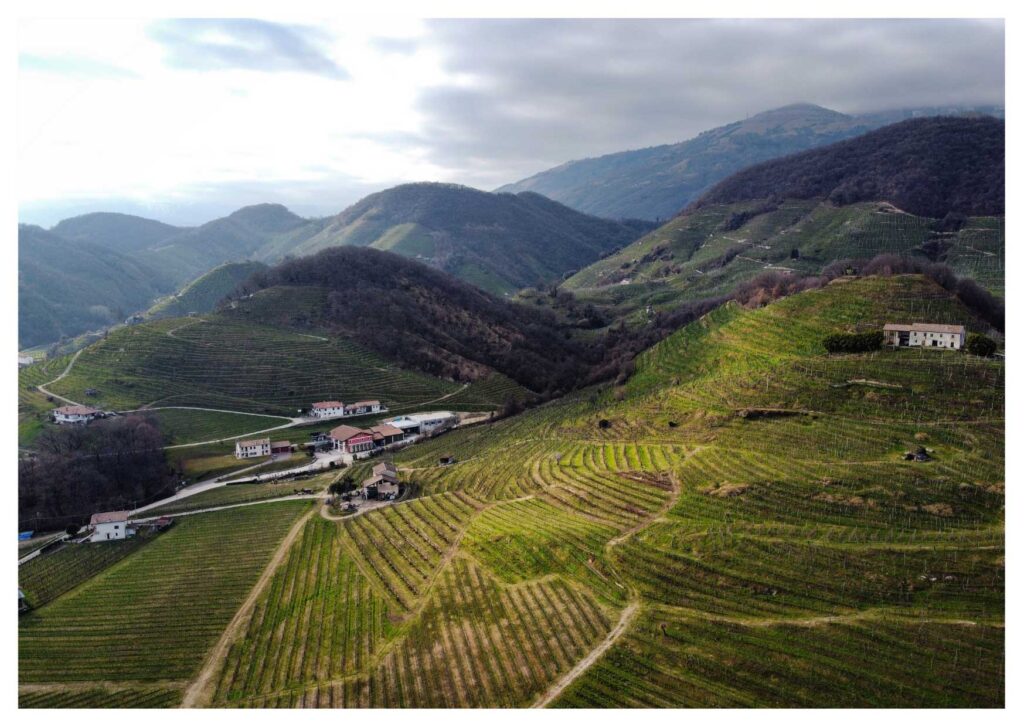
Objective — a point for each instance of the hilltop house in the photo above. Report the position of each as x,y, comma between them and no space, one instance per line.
109,526
382,483
75,414
925,335
325,409
246,448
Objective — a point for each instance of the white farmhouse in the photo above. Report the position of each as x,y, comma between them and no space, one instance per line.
109,526
327,409
74,414
246,448
925,335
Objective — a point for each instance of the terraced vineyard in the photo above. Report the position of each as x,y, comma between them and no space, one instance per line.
49,575
735,526
693,256
222,363
33,407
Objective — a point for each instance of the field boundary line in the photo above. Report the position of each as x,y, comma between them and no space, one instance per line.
198,692
628,614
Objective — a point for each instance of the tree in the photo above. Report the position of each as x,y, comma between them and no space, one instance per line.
980,345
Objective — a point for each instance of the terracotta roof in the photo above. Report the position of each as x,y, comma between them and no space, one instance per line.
924,327
254,442
386,430
369,402
344,432
327,405
77,409
118,516
382,467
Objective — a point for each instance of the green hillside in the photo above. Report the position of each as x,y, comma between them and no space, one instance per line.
202,294
698,254
735,526
220,362
501,242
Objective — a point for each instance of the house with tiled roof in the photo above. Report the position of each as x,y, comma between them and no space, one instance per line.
109,526
248,448
925,335
75,414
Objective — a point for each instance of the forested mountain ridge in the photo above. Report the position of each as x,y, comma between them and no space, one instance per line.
657,182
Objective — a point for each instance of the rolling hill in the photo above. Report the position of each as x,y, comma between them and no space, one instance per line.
499,242
733,234
735,526
124,233
204,293
657,182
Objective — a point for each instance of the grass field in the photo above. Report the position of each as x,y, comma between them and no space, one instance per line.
735,526
182,426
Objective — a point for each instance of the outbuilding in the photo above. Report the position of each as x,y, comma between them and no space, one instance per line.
924,335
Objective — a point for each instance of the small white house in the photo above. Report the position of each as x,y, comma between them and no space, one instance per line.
925,335
24,361
109,526
364,407
327,409
74,414
246,448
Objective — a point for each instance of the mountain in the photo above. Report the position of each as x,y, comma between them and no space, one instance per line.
929,167
124,233
813,218
657,182
66,288
202,294
413,314
499,242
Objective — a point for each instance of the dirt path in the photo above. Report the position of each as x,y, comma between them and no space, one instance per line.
200,692
42,387
628,614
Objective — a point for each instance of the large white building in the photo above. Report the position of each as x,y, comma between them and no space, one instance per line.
327,409
74,414
246,448
109,526
425,423
925,335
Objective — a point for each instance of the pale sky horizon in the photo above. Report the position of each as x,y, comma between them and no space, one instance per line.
188,120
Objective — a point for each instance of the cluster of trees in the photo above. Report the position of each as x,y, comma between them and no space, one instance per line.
928,167
980,345
853,342
76,471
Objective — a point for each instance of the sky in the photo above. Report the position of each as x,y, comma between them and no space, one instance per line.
188,120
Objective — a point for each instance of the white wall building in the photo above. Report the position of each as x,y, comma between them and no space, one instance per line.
109,526
74,414
426,423
327,409
925,335
246,448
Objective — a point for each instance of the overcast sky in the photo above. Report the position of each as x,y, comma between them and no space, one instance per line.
186,120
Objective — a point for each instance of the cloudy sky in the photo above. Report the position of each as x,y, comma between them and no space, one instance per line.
186,120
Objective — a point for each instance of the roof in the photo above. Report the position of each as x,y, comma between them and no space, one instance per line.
118,516
382,467
253,442
924,327
275,445
327,405
344,432
431,415
386,430
368,402
77,409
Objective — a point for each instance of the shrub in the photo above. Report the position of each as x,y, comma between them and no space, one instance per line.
980,345
853,342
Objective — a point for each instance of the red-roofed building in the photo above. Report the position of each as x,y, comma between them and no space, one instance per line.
109,526
326,409
75,414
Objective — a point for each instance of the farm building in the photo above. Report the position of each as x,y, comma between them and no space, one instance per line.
925,335
382,483
109,526
426,423
246,448
325,409
356,441
364,407
75,414
280,447
385,434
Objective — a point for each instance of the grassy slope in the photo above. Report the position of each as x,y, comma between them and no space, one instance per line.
677,261
151,618
785,561
202,294
801,561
